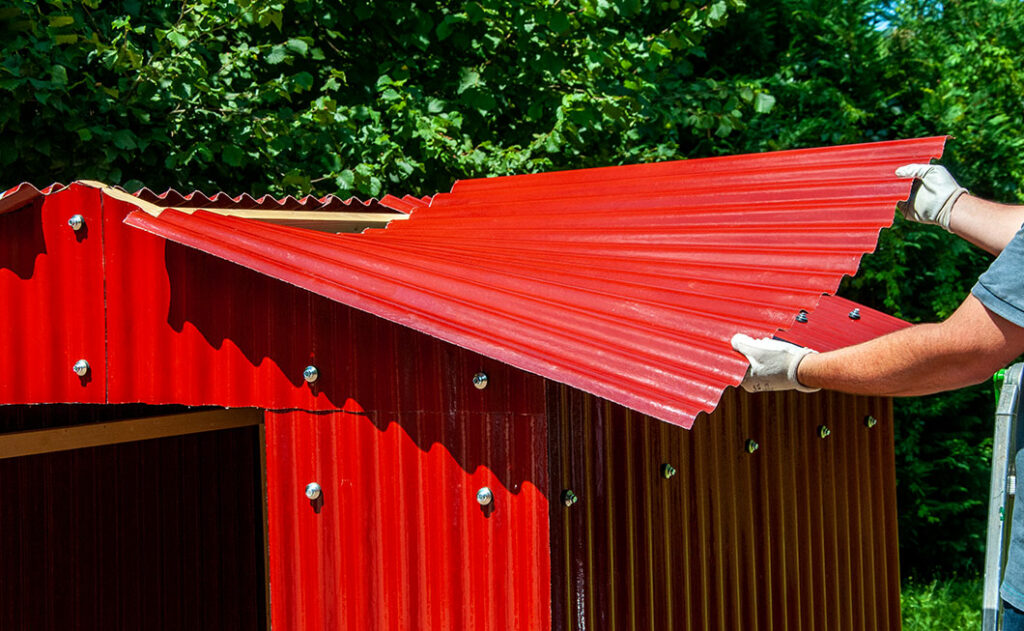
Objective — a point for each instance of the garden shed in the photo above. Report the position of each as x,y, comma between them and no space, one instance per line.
504,407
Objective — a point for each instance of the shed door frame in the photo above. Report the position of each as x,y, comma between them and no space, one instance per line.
51,440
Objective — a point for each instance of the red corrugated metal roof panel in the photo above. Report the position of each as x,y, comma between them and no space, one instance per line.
626,282
838,322
24,193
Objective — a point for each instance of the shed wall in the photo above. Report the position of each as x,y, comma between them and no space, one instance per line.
397,539
800,534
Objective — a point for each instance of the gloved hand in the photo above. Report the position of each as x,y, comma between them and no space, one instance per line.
934,193
773,364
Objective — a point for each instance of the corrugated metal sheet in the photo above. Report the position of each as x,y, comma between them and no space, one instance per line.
800,534
399,540
838,322
22,194
51,283
159,534
627,282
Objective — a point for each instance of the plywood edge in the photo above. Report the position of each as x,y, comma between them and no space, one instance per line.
323,221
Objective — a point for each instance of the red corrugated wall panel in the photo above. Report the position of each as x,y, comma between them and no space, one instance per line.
399,541
627,282
51,283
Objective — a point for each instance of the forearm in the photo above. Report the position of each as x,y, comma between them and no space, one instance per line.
988,225
963,350
910,362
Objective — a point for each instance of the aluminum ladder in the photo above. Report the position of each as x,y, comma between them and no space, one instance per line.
1002,490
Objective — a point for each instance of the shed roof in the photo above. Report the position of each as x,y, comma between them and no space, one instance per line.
626,282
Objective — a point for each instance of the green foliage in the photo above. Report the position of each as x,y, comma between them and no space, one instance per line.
355,97
951,605
369,97
865,70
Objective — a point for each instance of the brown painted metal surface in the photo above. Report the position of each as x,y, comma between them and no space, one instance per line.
799,534
159,534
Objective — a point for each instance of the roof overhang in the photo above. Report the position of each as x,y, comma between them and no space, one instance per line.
626,282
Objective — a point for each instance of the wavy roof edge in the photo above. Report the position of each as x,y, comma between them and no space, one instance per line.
25,192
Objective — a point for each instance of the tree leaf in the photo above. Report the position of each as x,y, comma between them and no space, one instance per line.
176,38
297,46
764,103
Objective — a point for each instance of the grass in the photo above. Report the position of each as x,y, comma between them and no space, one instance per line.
949,604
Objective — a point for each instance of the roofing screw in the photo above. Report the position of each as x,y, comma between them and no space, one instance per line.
81,368
484,496
667,471
569,498
801,317
480,380
752,445
76,222
824,431
312,491
855,314
310,374
870,421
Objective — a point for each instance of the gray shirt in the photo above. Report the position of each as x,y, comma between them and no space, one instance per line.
1001,290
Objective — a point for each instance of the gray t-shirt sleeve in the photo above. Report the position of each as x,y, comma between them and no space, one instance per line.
1001,290
1001,287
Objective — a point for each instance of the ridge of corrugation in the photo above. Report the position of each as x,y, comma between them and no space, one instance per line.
626,282
24,193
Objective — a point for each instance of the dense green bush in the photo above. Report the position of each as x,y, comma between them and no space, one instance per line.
368,97
950,605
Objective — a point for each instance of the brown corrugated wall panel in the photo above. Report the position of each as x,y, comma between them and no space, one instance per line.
157,534
799,534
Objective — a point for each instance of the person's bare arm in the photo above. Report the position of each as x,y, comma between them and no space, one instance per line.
965,349
988,225
937,199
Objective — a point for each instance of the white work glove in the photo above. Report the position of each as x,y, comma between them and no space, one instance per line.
773,364
934,193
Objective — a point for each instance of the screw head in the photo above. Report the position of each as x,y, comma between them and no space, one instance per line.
76,222
312,491
824,431
484,496
667,471
480,380
855,314
752,446
870,421
568,498
81,368
801,317
310,374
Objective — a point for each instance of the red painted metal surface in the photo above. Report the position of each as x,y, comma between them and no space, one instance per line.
626,282
801,534
51,283
399,540
22,194
393,425
831,325
393,430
